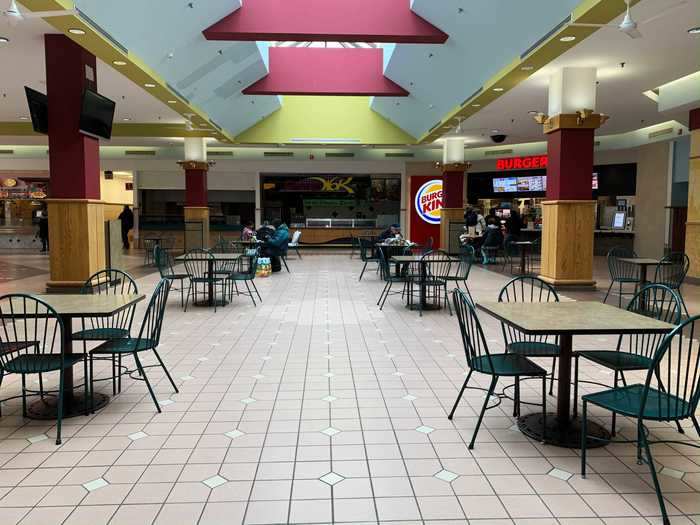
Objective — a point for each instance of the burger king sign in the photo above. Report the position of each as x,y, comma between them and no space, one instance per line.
428,201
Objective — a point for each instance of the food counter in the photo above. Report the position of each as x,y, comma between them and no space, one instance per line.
337,232
603,241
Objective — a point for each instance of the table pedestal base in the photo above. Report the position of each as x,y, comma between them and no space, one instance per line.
206,304
426,307
46,409
568,436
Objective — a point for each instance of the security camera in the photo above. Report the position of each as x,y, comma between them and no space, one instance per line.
499,138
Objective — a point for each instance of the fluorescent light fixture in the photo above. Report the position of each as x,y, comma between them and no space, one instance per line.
76,31
476,105
172,101
4,40
119,63
149,85
653,95
527,68
567,38
126,119
694,30
324,141
23,118
498,89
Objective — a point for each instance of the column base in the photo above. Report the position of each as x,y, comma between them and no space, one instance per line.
77,240
567,243
571,284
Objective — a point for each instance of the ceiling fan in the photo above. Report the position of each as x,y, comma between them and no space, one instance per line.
14,16
629,25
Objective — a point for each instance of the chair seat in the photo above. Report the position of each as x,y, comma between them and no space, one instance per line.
16,346
237,276
660,406
176,276
626,279
40,363
507,365
617,360
100,334
124,346
534,349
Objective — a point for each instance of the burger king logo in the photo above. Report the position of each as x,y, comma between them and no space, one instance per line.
429,201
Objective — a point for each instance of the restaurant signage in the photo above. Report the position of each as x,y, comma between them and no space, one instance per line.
522,163
319,185
428,201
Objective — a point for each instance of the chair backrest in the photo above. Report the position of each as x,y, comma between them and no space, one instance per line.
164,261
619,269
28,326
153,319
466,260
428,245
509,247
197,263
473,339
525,289
366,247
437,263
672,270
111,282
295,237
676,365
658,302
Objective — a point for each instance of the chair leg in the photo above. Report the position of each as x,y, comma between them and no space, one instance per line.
619,305
483,410
576,358
2,375
298,253
381,295
608,292
24,395
59,407
468,292
148,383
87,385
663,389
544,409
92,386
613,432
41,386
554,371
182,293
256,290
449,307
516,398
363,271
685,307
386,295
695,423
584,436
459,397
162,365
652,468
250,293
284,260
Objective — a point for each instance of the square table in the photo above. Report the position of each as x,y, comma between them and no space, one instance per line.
69,307
566,319
643,264
211,259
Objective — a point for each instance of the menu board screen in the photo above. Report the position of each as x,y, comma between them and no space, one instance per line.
505,185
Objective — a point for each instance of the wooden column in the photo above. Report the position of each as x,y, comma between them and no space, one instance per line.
453,182
196,202
76,214
692,232
568,216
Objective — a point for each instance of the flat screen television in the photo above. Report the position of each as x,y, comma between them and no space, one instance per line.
96,115
38,109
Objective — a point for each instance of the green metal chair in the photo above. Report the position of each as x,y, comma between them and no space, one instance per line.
31,342
390,279
166,267
528,289
634,352
462,269
148,339
511,253
246,274
197,267
117,326
622,273
671,271
674,366
482,361
367,255
437,264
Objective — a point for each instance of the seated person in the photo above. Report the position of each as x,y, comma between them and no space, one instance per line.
390,233
492,240
265,231
248,232
277,244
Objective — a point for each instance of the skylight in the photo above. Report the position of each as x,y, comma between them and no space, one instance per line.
361,45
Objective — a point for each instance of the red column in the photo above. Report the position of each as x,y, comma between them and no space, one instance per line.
196,195
74,159
570,168
453,185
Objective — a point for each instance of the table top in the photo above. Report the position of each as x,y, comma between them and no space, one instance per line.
406,258
89,305
641,261
572,317
216,257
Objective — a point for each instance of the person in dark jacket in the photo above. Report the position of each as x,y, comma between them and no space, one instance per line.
265,232
514,224
44,230
277,244
127,218
390,233
493,239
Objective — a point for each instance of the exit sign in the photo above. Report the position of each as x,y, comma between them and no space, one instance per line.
522,163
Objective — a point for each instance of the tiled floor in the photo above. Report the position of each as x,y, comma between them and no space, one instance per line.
315,407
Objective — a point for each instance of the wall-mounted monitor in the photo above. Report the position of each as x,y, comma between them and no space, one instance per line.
38,109
97,115
619,220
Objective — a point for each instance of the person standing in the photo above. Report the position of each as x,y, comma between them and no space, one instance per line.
44,230
127,218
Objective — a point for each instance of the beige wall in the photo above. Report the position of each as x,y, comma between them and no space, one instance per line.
114,191
652,188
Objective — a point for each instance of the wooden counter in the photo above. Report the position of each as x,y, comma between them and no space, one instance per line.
333,236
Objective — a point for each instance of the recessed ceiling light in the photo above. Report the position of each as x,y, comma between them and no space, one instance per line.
694,30
23,118
172,101
527,68
119,63
4,40
498,89
569,38
76,31
149,85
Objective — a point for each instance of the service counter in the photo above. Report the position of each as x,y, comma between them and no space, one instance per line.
603,240
24,237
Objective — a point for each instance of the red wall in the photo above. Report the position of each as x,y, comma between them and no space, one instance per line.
421,230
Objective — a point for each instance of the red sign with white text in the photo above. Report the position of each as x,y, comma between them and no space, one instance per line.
522,163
